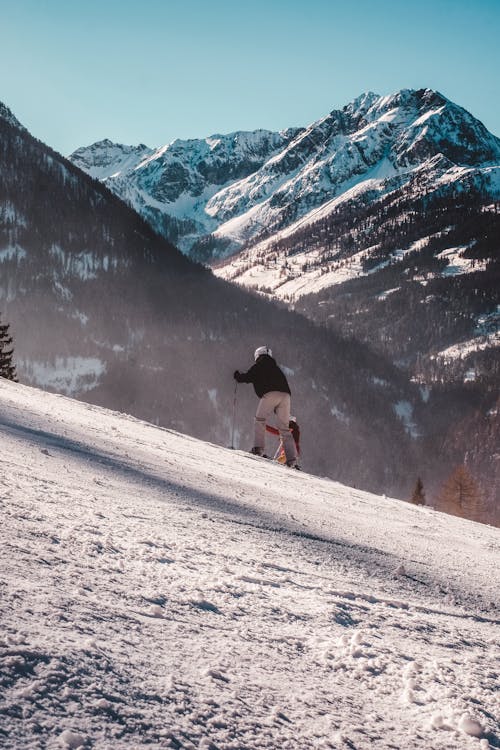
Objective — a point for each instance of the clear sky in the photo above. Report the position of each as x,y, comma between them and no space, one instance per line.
150,71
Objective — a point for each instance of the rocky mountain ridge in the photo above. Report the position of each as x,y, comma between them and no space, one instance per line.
214,197
171,186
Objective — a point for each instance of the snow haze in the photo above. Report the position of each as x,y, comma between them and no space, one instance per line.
159,590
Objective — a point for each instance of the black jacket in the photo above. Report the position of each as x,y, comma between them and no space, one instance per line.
265,375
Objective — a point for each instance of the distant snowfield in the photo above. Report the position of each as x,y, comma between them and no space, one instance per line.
464,348
289,277
69,375
161,591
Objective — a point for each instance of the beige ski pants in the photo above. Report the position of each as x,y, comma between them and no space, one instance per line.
279,404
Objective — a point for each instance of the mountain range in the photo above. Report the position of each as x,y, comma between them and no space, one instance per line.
103,308
388,190
380,221
214,196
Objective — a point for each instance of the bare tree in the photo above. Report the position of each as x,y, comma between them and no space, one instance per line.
460,495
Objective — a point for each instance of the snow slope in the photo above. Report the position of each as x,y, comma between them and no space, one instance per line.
158,590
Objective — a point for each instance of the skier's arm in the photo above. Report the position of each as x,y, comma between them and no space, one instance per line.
245,377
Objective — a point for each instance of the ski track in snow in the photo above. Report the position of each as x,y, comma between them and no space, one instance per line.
161,591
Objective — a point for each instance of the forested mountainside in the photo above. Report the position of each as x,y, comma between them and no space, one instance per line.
422,288
429,299
408,261
104,309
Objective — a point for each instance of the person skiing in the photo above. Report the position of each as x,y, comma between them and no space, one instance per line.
271,386
280,452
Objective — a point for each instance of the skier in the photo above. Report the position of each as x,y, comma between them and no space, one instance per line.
271,386
280,452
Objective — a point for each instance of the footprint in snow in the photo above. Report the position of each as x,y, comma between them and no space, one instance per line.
204,605
216,675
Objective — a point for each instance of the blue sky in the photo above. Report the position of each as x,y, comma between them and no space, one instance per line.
151,71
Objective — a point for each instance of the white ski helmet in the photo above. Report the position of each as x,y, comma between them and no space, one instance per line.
262,350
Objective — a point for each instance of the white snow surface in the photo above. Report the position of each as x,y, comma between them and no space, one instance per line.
464,348
68,375
458,264
487,335
162,591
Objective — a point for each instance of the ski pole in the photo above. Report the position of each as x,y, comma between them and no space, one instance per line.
234,414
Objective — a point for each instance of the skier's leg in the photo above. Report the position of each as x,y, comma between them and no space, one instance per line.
283,420
264,411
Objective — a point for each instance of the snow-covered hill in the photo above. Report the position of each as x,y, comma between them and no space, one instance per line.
158,590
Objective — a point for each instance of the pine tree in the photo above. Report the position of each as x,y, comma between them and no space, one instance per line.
418,497
7,367
460,495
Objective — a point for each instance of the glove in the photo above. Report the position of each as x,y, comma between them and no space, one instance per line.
236,375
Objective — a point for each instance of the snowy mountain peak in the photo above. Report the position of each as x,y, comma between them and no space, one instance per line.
214,196
363,102
105,159
171,185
